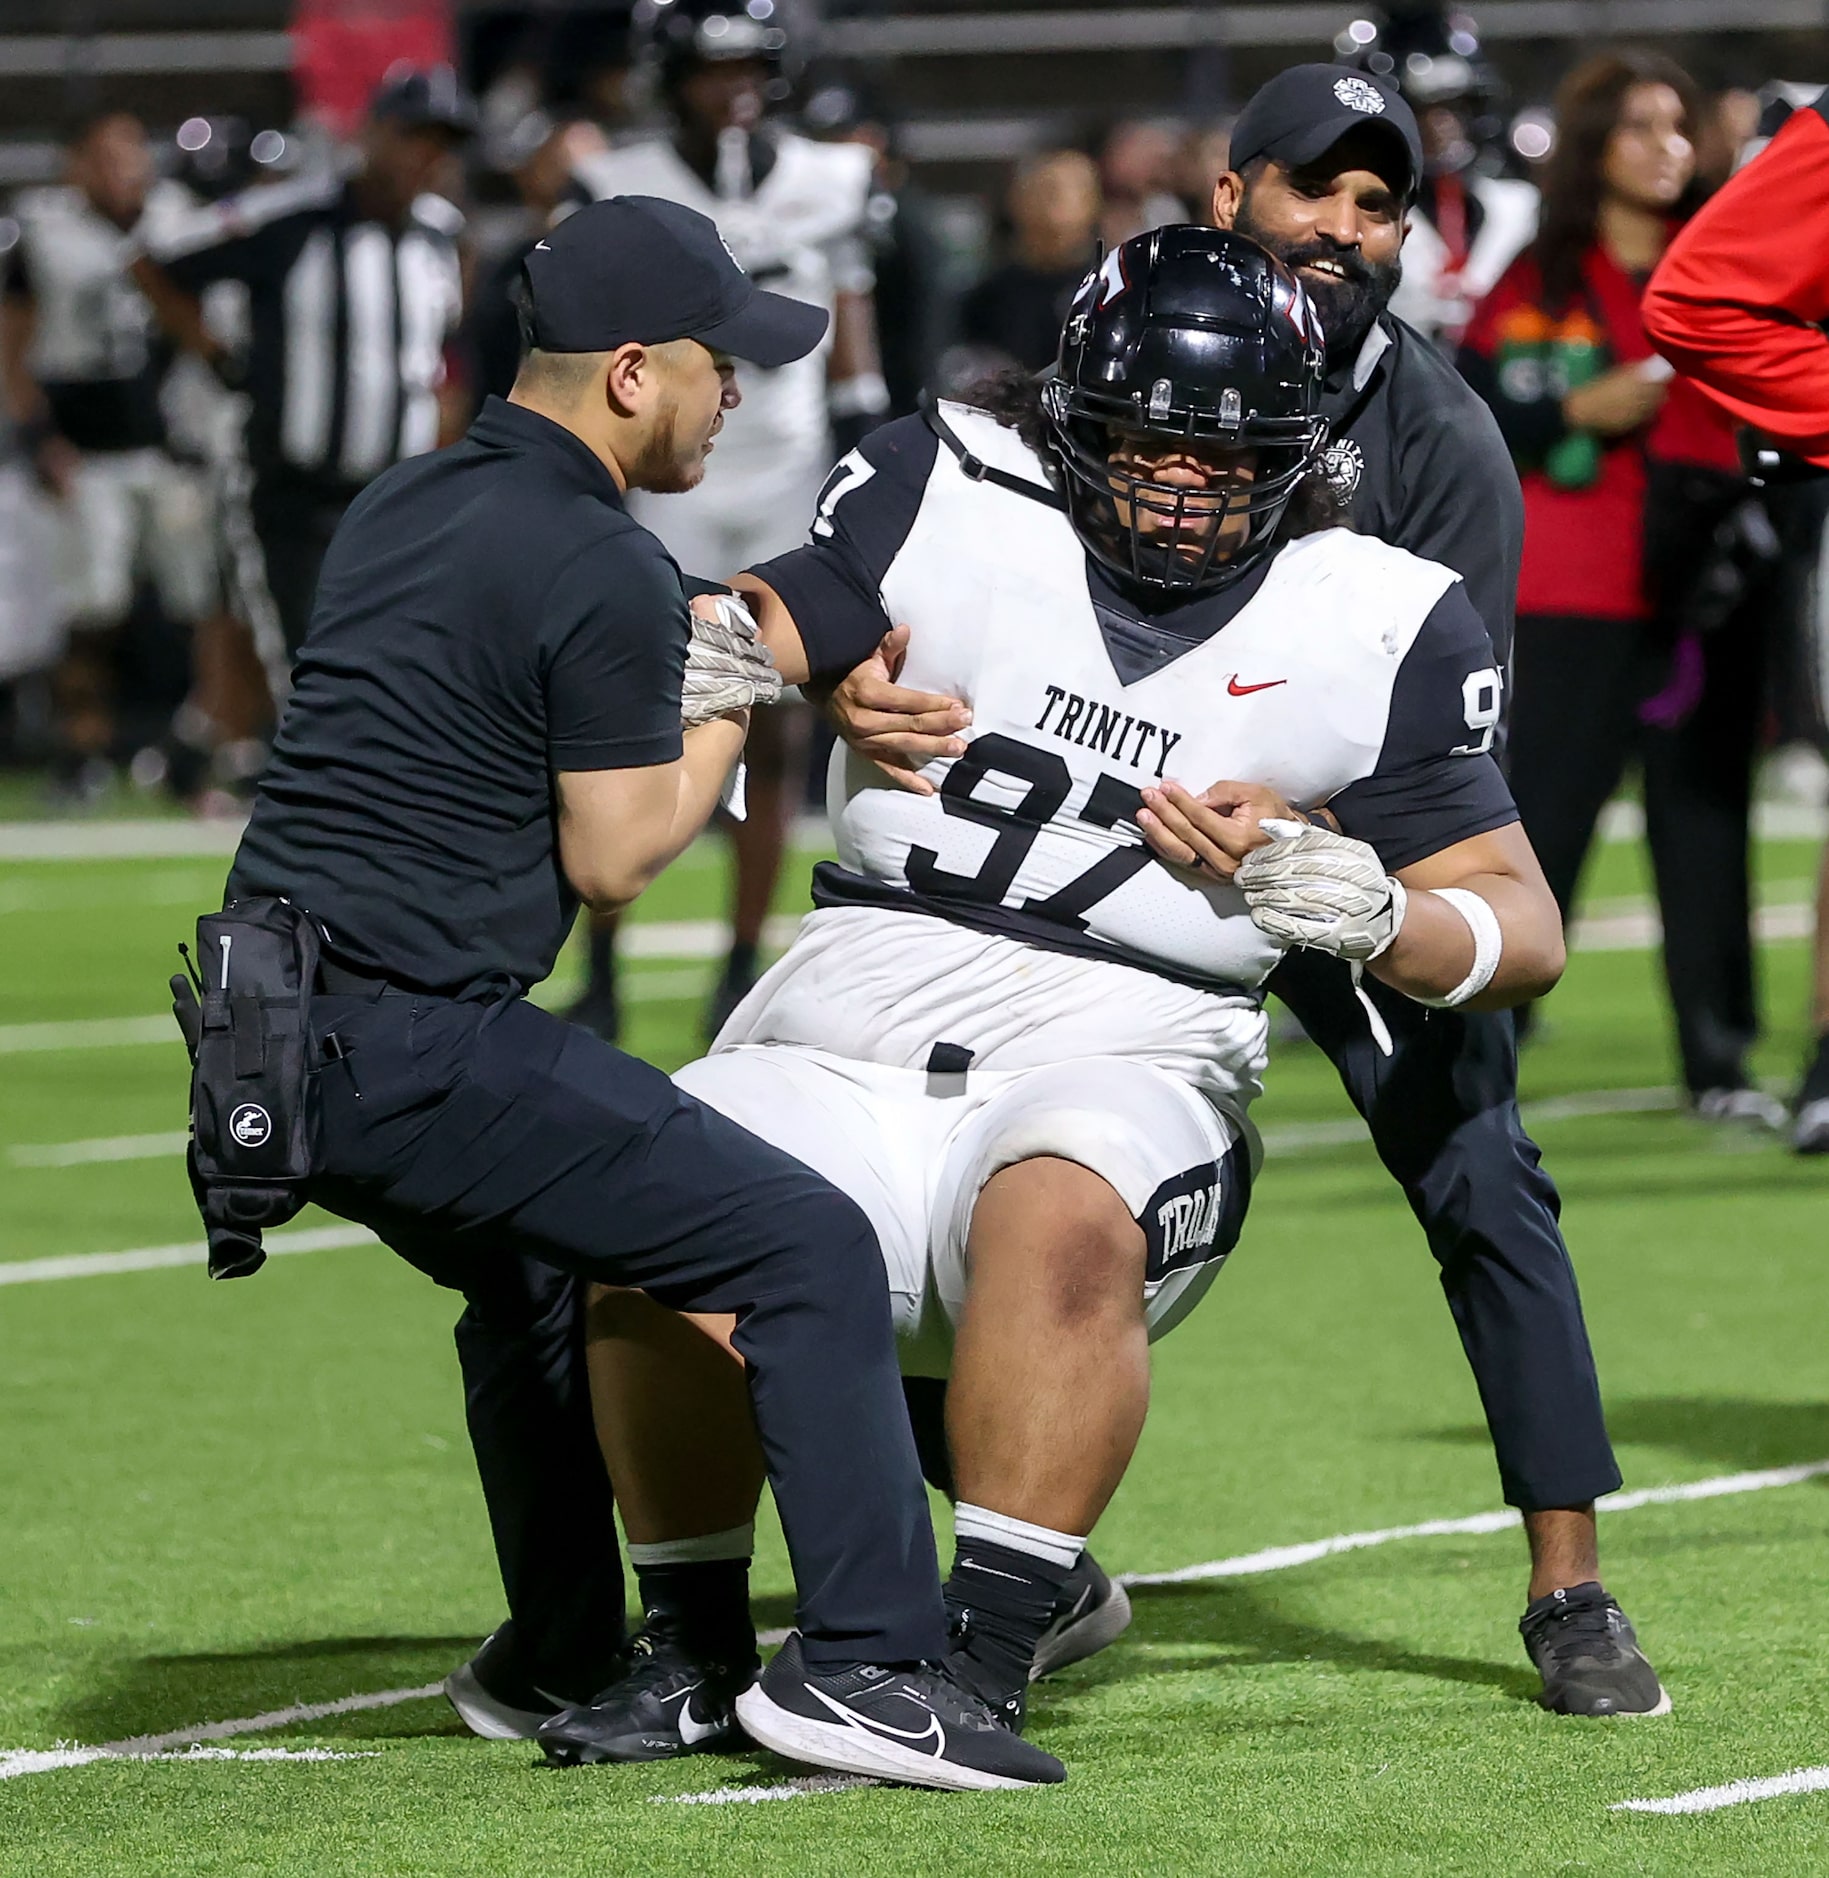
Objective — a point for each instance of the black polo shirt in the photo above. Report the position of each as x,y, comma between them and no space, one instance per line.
487,616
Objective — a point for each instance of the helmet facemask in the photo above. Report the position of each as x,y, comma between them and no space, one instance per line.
1167,537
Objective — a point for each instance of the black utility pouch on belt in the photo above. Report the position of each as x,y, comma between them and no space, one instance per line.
250,1153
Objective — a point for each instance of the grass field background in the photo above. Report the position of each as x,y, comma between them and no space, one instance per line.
223,1500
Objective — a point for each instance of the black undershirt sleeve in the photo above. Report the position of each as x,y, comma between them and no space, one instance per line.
614,645
1435,782
833,585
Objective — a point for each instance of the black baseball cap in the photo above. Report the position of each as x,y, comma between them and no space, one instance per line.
425,98
1302,113
635,268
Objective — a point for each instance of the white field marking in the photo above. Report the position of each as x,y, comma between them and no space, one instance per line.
99,1148
156,840
1639,929
1735,1793
1284,1557
1772,821
695,938
106,1033
750,1796
152,1258
1277,1558
87,1033
17,1761
1551,1109
150,840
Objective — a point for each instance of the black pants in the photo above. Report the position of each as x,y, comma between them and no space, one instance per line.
466,1132
1577,688
292,524
1443,1114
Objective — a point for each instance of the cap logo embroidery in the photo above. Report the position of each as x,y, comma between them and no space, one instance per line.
1358,94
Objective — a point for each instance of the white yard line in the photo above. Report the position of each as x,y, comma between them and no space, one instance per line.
152,1258
1568,1108
750,1796
87,1033
97,1148
15,1761
1735,1793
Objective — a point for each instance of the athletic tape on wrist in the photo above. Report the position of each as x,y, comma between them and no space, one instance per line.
1488,945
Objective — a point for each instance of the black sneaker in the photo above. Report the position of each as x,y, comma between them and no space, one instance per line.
913,1725
496,1695
671,1702
1587,1653
599,1011
1092,1613
735,983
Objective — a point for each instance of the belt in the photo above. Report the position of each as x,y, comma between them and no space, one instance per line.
340,981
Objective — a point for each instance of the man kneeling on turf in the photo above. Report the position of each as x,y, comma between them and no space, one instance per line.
1024,1025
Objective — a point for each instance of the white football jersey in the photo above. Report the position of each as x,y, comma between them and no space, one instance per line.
1439,300
798,232
1018,909
93,322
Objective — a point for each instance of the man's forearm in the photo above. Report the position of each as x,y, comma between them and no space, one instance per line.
1435,947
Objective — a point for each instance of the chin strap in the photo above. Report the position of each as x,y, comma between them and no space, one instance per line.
980,471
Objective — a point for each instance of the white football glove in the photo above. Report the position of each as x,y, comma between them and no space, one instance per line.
728,668
1311,887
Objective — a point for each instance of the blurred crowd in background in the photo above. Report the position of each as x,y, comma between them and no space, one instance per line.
170,467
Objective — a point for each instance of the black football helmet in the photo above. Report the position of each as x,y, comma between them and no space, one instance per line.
673,36
1194,334
1433,54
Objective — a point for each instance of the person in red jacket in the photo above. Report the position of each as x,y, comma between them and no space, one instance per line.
1740,302
1627,471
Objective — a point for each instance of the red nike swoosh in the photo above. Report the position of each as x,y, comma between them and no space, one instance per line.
1244,691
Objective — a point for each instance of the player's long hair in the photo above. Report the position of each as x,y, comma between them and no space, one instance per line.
1013,398
1589,103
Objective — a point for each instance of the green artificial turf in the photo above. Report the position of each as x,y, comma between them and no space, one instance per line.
222,1500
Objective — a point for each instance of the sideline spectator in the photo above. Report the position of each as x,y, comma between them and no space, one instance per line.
1139,166
1016,311
1739,302
1628,474
82,370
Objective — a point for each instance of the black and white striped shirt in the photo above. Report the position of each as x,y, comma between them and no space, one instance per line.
348,319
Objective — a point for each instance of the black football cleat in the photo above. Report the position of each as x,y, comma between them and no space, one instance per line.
671,1702
496,1695
916,1726
1092,1612
1587,1653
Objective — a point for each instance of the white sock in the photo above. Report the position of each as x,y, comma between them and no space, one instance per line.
1060,1549
736,1542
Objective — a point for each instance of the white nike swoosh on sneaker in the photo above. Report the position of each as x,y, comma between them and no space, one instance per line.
692,1730
852,1719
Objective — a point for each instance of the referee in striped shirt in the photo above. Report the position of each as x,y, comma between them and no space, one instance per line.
353,287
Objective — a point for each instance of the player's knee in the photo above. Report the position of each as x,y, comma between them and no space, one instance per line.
1081,1253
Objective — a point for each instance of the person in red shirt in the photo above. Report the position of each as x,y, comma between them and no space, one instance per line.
1627,472
1740,303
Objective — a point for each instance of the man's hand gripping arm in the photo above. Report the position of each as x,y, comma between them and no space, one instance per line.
1473,925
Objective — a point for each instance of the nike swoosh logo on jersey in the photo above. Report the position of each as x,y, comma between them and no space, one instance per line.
1244,691
932,1732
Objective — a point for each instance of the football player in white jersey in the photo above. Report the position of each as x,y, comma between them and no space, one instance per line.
792,211
1023,1026
82,366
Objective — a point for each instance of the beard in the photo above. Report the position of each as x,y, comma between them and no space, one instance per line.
661,468
1348,307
